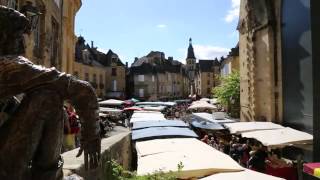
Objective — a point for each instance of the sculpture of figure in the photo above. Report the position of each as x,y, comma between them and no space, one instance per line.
31,138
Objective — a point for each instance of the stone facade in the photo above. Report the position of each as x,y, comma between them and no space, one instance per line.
206,77
260,60
105,72
231,62
153,77
51,41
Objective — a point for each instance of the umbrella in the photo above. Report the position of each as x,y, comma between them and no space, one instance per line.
202,105
111,102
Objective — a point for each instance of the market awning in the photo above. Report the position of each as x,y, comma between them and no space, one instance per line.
162,132
138,116
133,108
207,125
163,123
198,159
109,110
112,102
202,105
210,117
158,103
240,127
242,175
280,137
153,108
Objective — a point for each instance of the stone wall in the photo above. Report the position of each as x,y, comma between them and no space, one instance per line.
117,147
260,60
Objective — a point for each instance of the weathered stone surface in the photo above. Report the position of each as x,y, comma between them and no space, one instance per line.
117,147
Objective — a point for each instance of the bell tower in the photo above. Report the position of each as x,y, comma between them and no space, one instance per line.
191,67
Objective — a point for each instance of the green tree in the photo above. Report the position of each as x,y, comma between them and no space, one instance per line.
228,92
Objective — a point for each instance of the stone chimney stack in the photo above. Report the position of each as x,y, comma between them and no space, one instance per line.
135,59
92,44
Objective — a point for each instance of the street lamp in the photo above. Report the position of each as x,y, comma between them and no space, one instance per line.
32,13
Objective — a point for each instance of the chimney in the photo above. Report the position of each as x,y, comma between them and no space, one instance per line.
126,64
170,58
91,44
135,59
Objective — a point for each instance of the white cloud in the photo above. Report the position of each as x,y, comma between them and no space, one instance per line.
161,26
209,52
233,13
205,52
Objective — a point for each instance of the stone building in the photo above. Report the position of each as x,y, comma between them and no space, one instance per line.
52,40
153,77
105,72
206,77
276,62
191,62
231,62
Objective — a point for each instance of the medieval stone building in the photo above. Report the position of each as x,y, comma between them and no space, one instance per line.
276,62
105,72
153,77
206,77
52,40
231,62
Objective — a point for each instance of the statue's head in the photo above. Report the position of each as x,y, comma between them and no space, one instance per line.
13,25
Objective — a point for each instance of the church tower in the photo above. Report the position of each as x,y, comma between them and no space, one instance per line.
191,67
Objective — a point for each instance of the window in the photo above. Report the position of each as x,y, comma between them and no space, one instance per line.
114,72
208,82
152,78
86,77
54,42
101,79
208,75
208,91
12,4
141,92
94,78
140,78
114,85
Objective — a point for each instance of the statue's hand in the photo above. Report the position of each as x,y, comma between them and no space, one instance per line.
92,152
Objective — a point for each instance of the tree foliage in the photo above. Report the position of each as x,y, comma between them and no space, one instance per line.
229,89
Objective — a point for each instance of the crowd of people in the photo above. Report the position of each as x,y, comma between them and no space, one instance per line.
251,154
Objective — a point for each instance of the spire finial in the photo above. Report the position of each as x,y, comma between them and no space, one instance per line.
190,40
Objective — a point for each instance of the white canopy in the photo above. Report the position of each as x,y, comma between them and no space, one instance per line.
210,117
240,127
158,103
280,137
146,116
109,110
242,175
112,102
202,105
205,99
198,159
153,108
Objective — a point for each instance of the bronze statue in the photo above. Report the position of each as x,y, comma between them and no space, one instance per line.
31,137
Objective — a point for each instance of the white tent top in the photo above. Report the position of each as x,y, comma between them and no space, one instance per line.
198,159
111,102
158,103
242,175
205,99
280,137
240,127
210,117
109,110
146,116
202,105
153,108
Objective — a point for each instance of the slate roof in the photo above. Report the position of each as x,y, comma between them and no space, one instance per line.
207,65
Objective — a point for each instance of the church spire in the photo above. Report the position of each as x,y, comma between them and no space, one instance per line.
190,50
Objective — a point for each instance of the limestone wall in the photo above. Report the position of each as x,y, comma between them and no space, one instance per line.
117,147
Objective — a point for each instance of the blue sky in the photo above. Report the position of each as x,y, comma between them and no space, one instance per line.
133,28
